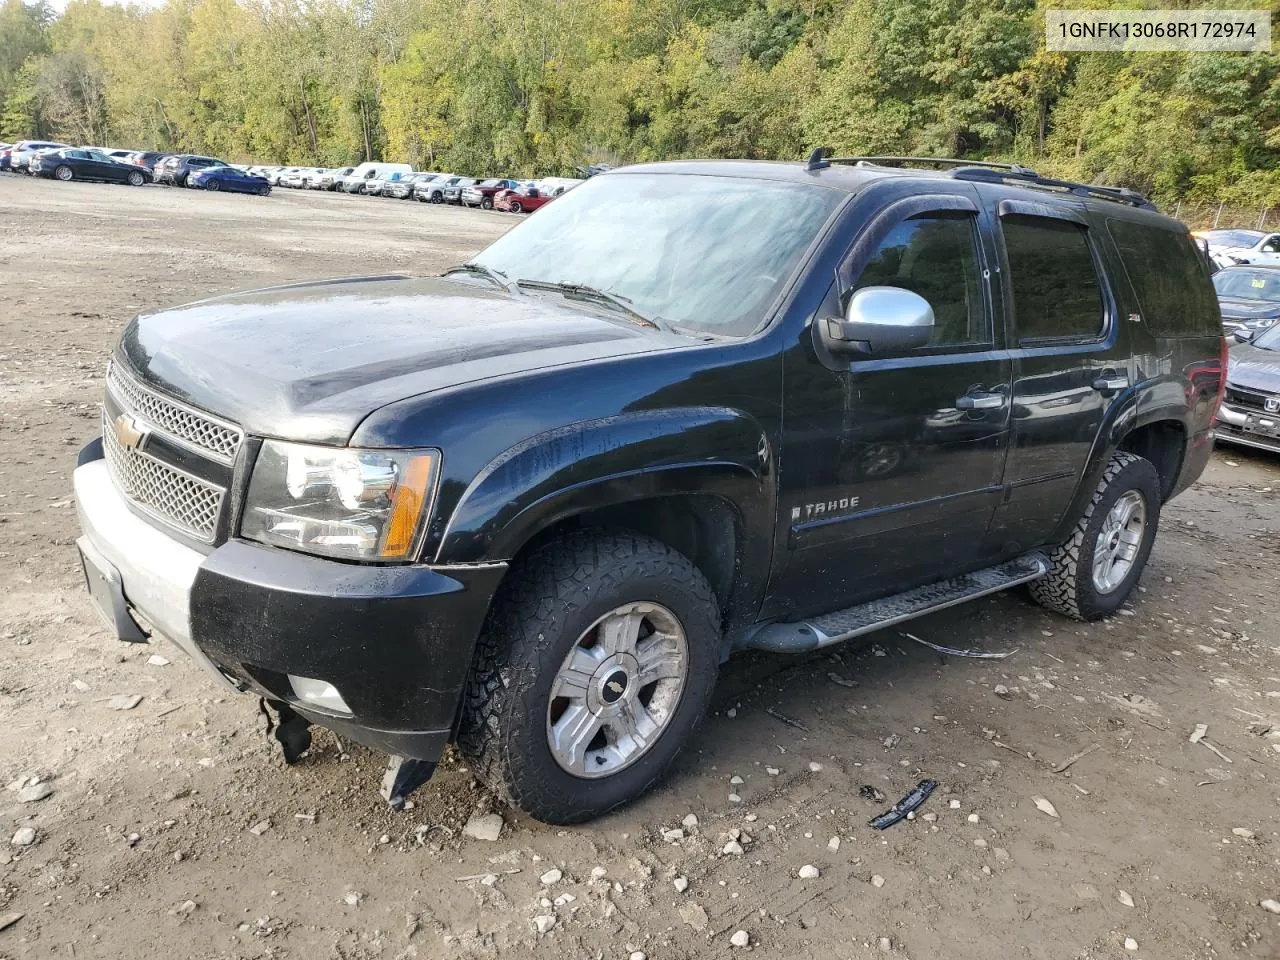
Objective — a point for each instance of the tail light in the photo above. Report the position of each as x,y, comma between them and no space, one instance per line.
1222,381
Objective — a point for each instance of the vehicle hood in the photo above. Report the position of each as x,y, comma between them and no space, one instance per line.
309,361
1254,368
1240,309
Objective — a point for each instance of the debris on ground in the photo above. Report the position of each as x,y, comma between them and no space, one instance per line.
35,792
808,872
740,938
908,804
868,792
551,877
694,916
1271,906
261,827
1198,736
1124,898
125,701
24,837
484,827
1044,806
7,920
544,922
953,652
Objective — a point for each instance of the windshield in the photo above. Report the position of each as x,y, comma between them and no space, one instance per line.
1249,284
1232,238
1269,339
710,253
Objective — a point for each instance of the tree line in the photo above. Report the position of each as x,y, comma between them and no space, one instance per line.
538,87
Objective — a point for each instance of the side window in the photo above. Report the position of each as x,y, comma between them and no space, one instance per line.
1271,244
1056,291
1169,277
936,256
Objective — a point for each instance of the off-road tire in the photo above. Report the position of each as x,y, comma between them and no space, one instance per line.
546,603
1068,587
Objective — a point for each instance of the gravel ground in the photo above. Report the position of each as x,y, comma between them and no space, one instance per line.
174,829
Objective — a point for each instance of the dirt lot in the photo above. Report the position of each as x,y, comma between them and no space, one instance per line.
174,829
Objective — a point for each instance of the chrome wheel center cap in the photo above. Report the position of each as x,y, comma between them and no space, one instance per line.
613,683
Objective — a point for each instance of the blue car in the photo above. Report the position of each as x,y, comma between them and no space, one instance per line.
228,178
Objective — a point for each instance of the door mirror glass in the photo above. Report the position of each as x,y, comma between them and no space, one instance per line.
1243,336
880,320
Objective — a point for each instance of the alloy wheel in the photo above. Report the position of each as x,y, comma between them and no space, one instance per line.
1119,541
617,690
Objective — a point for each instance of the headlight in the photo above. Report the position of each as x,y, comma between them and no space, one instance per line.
352,504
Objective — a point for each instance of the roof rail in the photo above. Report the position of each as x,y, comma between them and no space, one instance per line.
982,171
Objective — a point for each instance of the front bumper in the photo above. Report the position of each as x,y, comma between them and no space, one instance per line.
1248,428
396,642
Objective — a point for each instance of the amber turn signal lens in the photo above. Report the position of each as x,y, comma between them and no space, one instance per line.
407,503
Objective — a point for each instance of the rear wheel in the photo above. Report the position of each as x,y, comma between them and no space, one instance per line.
1094,570
595,666
486,203
517,206
63,173
136,179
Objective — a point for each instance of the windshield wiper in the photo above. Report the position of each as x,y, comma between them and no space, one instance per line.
581,291
480,270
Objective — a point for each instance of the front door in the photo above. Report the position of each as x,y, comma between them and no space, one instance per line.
891,466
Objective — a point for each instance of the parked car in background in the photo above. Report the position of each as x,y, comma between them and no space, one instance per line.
177,168
453,192
292,177
432,190
328,179
1250,413
481,194
376,186
402,189
355,181
78,163
1249,297
146,158
526,199
1229,247
22,152
231,179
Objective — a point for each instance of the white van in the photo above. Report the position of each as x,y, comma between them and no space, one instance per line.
355,180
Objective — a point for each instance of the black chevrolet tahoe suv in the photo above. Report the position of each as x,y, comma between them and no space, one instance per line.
531,506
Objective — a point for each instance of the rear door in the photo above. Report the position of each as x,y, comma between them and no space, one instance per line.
891,465
1071,358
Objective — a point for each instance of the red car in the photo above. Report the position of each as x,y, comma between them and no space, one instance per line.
526,199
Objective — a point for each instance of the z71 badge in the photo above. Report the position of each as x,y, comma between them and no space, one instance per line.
823,508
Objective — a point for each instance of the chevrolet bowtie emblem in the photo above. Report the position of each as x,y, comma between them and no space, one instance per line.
130,433
615,686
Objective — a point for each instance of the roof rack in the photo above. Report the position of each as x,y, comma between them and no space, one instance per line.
982,171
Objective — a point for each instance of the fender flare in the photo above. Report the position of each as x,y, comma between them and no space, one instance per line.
1136,407
572,469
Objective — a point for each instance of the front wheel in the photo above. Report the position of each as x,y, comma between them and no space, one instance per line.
486,203
1094,570
63,173
596,665
264,191
517,206
437,197
136,179
213,185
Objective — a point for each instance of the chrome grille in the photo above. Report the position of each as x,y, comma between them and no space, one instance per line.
215,437
170,495
1247,398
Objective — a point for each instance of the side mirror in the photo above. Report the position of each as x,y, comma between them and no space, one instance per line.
880,320
1244,336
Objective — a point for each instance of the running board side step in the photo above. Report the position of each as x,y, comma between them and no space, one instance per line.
804,635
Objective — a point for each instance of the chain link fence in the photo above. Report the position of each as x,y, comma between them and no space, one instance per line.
1221,216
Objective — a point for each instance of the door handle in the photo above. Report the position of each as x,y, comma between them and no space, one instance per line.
980,401
1111,382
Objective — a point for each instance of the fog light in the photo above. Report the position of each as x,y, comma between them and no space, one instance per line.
319,693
